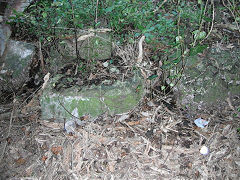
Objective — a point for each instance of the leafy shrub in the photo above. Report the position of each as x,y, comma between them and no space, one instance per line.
178,26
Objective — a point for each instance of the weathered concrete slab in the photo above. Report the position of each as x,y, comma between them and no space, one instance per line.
91,48
208,80
91,45
95,100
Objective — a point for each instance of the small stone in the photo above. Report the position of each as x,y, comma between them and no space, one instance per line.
105,64
70,126
114,70
204,150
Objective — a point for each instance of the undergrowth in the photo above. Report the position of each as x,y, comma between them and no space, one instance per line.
173,29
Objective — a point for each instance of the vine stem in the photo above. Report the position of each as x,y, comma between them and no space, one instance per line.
212,24
201,23
229,8
75,30
96,13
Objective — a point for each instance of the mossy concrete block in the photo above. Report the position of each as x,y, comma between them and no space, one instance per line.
96,46
208,81
94,101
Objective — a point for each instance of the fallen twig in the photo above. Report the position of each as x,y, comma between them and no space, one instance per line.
140,54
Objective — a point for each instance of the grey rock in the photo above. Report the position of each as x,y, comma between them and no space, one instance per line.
15,5
5,33
17,61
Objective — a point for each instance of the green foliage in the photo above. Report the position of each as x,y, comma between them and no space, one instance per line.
175,24
197,49
125,17
152,77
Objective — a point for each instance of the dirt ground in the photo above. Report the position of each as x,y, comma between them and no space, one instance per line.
155,140
127,146
152,141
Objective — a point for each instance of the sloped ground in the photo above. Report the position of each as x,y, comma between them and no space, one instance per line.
153,141
156,140
129,146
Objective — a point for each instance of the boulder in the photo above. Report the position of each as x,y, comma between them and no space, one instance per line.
18,58
5,33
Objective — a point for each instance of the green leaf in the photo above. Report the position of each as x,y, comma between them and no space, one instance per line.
195,32
174,13
148,35
179,39
199,35
98,24
131,41
171,84
151,29
172,77
152,77
167,66
238,130
207,19
202,35
80,25
97,42
137,34
49,38
44,14
238,109
176,61
198,49
59,20
109,9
